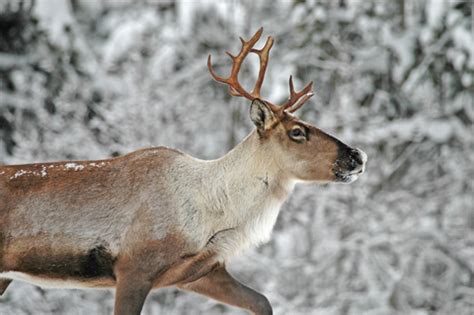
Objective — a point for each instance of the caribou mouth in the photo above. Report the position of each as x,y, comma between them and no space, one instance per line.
346,178
349,167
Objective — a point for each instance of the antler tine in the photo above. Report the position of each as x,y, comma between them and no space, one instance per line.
297,99
263,55
300,102
235,88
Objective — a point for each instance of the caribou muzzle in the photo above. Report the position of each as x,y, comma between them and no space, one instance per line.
350,164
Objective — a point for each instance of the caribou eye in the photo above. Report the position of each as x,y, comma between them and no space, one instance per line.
297,134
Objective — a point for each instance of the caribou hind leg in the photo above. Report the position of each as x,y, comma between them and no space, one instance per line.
221,286
4,283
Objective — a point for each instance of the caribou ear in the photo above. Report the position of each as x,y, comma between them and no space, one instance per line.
261,115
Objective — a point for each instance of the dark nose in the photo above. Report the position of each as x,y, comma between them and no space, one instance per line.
356,157
350,159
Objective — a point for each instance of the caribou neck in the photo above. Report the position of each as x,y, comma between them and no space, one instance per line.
248,177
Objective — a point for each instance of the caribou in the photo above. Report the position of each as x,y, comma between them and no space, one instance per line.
158,217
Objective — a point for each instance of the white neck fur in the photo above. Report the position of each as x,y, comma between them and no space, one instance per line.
245,190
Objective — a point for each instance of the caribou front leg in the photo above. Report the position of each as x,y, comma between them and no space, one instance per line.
221,286
133,286
130,295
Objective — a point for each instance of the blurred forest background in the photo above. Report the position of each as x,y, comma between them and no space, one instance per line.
84,79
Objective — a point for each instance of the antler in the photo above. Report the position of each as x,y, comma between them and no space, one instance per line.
263,55
235,88
296,99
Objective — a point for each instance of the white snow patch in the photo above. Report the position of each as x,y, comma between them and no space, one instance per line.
435,10
227,10
126,37
73,166
439,131
403,44
55,16
44,173
97,164
19,173
463,39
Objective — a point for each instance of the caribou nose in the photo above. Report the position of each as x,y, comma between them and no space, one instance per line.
356,156
358,160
